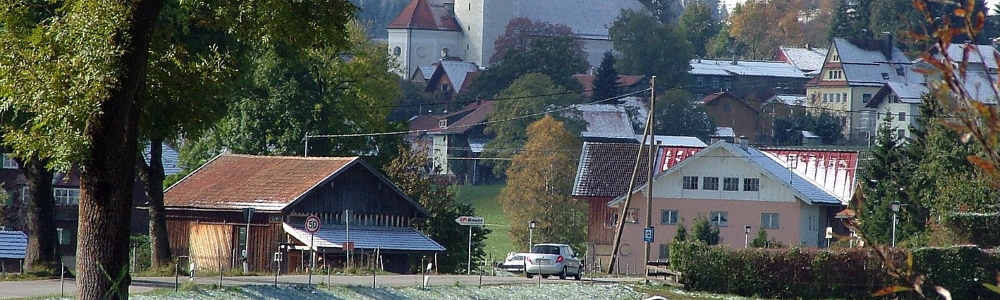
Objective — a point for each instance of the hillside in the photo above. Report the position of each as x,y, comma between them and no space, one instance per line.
376,14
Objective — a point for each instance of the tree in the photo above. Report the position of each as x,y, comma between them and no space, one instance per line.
760,26
411,172
699,25
762,241
606,79
705,231
650,48
81,74
413,101
540,184
678,113
525,101
665,11
850,20
682,233
556,57
520,34
881,186
788,130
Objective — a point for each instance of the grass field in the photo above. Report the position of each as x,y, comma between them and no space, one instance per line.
484,199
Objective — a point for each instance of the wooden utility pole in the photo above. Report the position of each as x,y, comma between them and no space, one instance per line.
649,177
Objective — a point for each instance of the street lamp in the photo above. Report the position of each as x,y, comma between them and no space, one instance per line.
531,232
746,236
895,208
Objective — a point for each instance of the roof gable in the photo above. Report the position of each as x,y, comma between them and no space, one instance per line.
719,97
459,73
806,59
425,14
605,168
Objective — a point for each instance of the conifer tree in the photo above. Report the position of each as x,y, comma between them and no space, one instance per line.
879,180
606,78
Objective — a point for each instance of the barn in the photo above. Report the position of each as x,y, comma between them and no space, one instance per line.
240,208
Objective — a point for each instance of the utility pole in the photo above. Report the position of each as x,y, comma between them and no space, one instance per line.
623,209
649,177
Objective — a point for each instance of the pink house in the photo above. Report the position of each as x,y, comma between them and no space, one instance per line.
734,185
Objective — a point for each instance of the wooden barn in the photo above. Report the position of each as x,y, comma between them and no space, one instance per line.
362,213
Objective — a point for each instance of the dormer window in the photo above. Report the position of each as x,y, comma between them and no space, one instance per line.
443,123
885,76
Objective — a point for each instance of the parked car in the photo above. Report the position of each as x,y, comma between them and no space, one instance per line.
514,263
552,259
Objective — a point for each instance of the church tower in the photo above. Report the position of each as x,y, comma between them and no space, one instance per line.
423,32
483,21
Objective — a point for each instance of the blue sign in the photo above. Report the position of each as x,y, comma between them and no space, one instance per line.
647,234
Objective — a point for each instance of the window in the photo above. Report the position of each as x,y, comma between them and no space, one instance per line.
632,216
902,116
67,196
835,57
901,133
885,76
838,97
700,81
690,182
443,123
9,162
719,218
751,184
715,82
769,220
844,97
664,251
710,183
25,194
668,217
825,96
731,184
866,97
396,51
64,236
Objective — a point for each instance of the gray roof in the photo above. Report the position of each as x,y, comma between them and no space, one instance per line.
366,237
170,159
13,244
865,64
427,71
725,131
457,72
713,67
908,92
792,100
588,18
806,59
852,54
807,190
606,121
673,140
984,56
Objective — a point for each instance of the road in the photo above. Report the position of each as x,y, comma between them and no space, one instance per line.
25,289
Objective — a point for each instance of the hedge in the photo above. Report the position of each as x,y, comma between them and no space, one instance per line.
799,273
982,229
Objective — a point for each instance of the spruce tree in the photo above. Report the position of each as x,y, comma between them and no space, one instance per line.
606,79
879,181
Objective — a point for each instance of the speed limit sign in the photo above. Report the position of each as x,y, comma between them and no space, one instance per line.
312,224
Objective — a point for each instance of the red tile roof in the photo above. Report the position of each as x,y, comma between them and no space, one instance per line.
264,182
423,14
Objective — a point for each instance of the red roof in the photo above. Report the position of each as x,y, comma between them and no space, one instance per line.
263,182
425,14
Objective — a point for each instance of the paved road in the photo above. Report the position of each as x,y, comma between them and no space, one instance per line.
23,289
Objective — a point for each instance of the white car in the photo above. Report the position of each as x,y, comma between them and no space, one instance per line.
552,259
514,263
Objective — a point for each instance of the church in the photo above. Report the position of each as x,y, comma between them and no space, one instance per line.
429,30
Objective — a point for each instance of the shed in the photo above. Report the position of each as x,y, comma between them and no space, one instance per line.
811,139
13,246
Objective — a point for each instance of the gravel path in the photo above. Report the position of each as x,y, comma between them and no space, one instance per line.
507,292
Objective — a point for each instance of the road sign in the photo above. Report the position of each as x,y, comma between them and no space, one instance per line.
829,232
647,234
471,221
312,224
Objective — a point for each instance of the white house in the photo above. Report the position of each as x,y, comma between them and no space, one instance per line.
427,29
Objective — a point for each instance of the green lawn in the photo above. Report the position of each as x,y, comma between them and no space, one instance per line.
483,198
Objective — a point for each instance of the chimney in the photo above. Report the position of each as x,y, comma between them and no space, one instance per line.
887,45
808,47
714,139
735,59
744,143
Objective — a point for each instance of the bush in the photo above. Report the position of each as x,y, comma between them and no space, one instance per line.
799,273
982,229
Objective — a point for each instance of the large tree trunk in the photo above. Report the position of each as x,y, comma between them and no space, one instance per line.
43,239
152,180
108,172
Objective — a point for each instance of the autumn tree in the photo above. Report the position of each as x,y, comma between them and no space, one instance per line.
540,184
411,172
678,113
761,25
606,79
649,47
526,101
521,32
78,80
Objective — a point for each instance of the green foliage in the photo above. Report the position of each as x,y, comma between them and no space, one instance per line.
650,48
796,273
682,233
700,27
413,101
539,184
704,231
850,21
606,79
411,172
141,255
665,11
556,57
678,114
882,183
762,241
981,229
523,105
788,130
521,33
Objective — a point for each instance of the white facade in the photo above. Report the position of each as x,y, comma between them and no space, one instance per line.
420,47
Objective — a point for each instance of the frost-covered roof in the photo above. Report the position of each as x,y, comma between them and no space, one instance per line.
13,244
792,100
745,68
879,73
867,51
606,121
588,18
674,140
806,59
366,237
985,54
457,71
725,132
169,157
427,71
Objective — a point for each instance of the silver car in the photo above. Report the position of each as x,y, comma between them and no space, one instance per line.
552,259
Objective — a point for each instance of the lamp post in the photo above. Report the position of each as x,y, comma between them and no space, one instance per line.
531,233
895,208
746,236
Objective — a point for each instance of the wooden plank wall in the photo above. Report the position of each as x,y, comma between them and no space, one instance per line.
264,241
178,232
211,246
